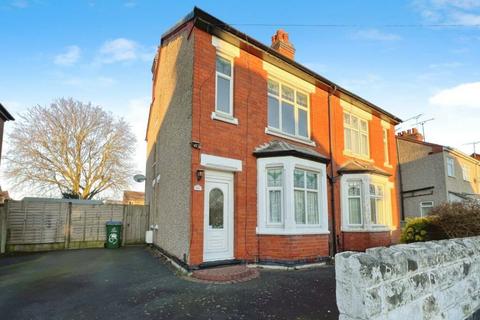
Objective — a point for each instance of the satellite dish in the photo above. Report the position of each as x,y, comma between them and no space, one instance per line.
139,178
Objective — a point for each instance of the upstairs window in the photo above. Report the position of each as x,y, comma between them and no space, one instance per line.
356,135
466,173
224,87
385,146
450,167
288,110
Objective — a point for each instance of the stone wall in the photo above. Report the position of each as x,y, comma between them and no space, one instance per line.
431,280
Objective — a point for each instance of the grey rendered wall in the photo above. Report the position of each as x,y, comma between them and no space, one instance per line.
169,195
457,184
421,170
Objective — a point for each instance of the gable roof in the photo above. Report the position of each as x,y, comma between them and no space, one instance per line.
279,148
4,114
222,30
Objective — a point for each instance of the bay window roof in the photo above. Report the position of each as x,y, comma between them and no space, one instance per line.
356,166
279,148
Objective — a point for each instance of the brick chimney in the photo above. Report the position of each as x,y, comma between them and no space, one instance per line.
281,44
475,156
412,134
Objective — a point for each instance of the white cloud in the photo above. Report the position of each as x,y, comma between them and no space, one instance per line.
69,57
464,12
123,50
466,95
375,35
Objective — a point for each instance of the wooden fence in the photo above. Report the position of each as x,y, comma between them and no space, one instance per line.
46,224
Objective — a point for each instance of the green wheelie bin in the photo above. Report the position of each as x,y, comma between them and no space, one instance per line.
114,234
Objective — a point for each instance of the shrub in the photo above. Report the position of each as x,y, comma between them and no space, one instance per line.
419,230
459,219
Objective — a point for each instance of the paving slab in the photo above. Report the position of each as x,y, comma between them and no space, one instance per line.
130,283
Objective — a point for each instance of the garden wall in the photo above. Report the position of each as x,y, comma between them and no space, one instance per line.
430,280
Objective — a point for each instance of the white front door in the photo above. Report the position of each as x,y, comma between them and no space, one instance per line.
218,216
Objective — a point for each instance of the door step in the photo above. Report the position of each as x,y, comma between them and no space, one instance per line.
229,274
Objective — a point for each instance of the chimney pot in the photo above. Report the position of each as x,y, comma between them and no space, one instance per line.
282,44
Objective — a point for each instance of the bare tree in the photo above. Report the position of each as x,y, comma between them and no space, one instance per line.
75,148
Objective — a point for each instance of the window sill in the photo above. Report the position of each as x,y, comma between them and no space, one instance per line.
367,229
357,156
224,118
292,232
387,165
276,133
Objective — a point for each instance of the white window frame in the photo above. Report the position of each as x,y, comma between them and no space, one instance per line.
466,173
218,114
288,225
386,150
367,225
361,197
361,132
377,197
451,165
305,190
296,108
425,204
281,189
228,52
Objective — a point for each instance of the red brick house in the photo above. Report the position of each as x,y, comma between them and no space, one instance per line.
4,117
253,157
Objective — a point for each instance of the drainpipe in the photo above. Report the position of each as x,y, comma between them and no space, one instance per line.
402,206
332,174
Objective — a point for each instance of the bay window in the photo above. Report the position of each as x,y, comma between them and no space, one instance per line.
366,202
292,196
288,110
356,135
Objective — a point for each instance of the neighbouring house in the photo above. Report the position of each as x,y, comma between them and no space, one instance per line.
432,174
133,197
253,157
4,117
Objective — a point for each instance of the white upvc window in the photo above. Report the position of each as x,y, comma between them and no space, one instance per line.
356,135
466,172
386,153
450,167
366,202
305,184
377,204
425,208
292,196
288,110
224,86
275,195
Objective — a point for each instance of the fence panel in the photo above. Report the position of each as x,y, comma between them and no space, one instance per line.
136,223
43,224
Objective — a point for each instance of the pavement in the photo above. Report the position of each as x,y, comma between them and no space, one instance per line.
131,283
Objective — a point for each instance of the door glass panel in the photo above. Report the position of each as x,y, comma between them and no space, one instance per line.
215,215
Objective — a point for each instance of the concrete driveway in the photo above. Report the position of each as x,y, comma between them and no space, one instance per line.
130,283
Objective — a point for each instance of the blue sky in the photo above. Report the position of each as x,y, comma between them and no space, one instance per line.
386,51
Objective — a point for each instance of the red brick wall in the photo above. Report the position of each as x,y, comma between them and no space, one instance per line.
239,141
359,241
308,247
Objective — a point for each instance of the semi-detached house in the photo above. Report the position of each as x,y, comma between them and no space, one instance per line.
253,157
